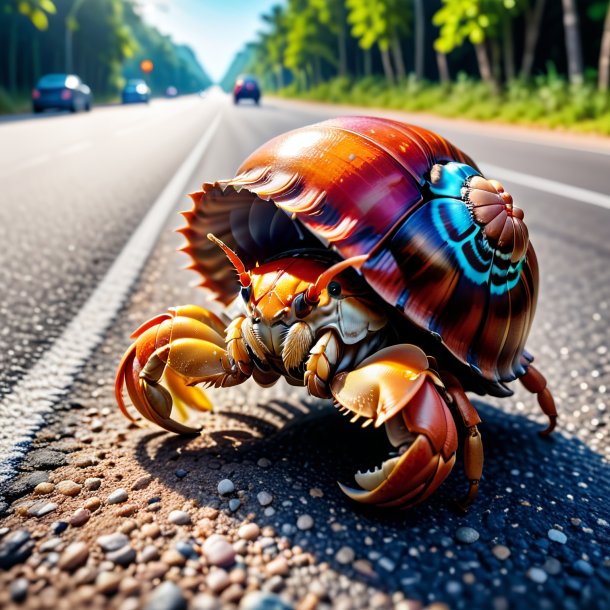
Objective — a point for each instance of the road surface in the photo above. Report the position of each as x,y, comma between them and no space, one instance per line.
76,277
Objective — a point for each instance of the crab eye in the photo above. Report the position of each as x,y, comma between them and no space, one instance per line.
246,293
301,307
334,290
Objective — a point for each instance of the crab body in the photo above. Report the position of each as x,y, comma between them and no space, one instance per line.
377,267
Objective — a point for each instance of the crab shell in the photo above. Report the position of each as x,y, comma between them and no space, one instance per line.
457,264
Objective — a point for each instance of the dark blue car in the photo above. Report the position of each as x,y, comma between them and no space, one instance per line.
61,92
136,90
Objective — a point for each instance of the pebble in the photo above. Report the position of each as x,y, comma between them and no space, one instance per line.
205,601
85,461
234,504
167,596
112,542
57,527
117,496
142,482
264,498
557,536
305,522
218,551
552,566
173,557
364,567
263,463
19,590
501,552
467,535
107,582
179,517
45,459
74,556
387,564
150,530
316,492
278,566
249,531
43,489
68,488
149,553
186,548
257,600
15,548
80,517
218,580
40,509
123,556
537,575
92,504
583,567
93,483
181,473
226,486
345,555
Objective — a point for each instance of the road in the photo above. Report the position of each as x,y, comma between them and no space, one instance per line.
74,191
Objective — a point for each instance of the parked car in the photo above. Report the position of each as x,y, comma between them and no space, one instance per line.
61,91
171,91
136,90
246,87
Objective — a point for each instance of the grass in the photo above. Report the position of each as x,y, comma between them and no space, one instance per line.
548,101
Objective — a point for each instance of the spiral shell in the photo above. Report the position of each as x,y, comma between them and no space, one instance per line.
446,246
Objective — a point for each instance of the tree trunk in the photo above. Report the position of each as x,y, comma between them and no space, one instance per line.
604,56
398,59
533,19
420,42
35,56
484,66
443,68
12,53
496,60
342,41
368,62
387,65
573,46
508,49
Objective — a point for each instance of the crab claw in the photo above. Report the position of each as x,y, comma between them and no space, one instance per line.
395,387
171,353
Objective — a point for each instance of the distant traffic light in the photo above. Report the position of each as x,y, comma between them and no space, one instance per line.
146,66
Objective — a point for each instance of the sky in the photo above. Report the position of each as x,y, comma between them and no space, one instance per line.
215,29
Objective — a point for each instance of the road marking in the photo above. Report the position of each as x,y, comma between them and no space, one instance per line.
146,122
33,162
567,191
22,412
74,148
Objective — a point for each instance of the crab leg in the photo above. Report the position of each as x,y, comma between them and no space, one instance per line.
473,444
534,382
171,354
396,387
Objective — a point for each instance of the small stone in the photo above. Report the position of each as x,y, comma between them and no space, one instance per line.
345,555
278,566
232,594
117,496
129,586
264,498
43,489
557,536
167,596
263,463
387,564
19,590
501,552
218,551
112,542
57,527
234,504
205,601
50,545
107,582
123,556
150,530
269,511
45,459
172,557
583,567
466,535
142,482
226,486
40,509
11,547
74,556
316,492
257,600
68,488
552,566
537,575
218,580
92,504
179,517
249,531
364,567
186,548
93,483
305,522
181,473
85,461
149,553
80,517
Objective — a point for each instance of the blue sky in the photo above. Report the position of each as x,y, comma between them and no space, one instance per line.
215,29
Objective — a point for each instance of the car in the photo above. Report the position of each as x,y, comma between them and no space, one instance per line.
136,90
61,92
246,87
171,91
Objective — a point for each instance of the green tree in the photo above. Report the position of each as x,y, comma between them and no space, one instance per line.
573,45
599,11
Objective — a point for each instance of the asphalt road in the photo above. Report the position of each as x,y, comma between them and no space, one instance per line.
74,188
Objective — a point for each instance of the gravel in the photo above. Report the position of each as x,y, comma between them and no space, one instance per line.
179,517
466,535
112,542
557,536
264,498
167,596
117,496
304,522
226,486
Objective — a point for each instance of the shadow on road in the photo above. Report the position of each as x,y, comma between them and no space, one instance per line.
530,485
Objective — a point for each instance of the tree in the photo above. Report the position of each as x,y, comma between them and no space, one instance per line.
332,14
533,19
420,42
599,11
573,46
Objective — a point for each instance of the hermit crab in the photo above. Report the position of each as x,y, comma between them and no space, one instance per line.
371,262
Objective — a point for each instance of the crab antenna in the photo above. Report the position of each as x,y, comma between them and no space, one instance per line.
314,291
244,278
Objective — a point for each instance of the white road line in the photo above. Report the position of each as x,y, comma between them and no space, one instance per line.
74,148
568,191
22,412
32,162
